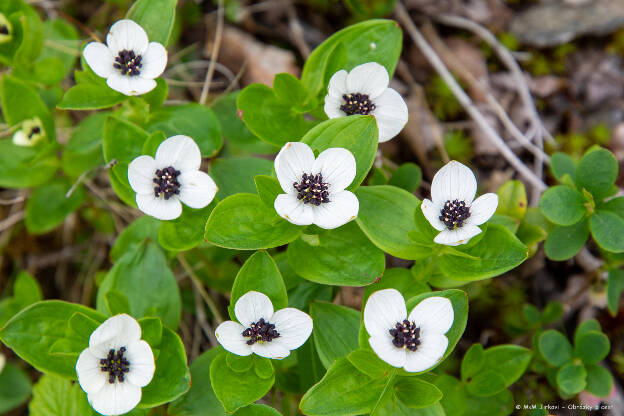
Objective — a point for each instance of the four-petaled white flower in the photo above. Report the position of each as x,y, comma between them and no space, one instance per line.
173,176
261,331
130,62
365,90
416,341
30,134
453,211
315,189
115,366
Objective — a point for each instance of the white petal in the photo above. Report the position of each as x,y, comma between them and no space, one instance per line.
391,114
20,138
453,181
116,398
179,151
141,173
482,209
293,210
159,207
332,107
432,348
130,85
431,211
291,163
270,350
337,86
89,372
433,315
385,350
383,310
153,61
458,236
127,35
197,189
293,326
116,332
251,307
142,366
99,58
337,165
230,336
369,78
342,207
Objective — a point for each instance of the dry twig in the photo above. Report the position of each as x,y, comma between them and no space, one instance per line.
213,55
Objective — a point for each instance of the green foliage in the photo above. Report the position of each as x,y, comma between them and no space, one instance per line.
15,387
336,331
53,395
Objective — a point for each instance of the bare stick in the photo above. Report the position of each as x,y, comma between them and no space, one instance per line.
214,54
200,288
12,220
465,100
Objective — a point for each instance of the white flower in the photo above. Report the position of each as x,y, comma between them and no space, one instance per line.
130,62
365,90
261,331
315,189
115,366
453,211
416,341
6,30
30,134
173,176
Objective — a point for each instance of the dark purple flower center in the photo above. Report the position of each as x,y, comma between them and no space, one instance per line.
357,104
4,30
166,181
454,214
260,331
33,131
128,63
312,190
406,335
115,364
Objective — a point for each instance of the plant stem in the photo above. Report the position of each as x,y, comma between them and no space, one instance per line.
385,389
200,288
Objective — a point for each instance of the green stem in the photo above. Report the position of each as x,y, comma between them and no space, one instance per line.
200,288
385,389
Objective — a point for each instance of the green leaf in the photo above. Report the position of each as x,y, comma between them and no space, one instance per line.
562,205
599,381
156,17
472,362
407,176
193,120
122,140
25,167
82,325
152,142
597,171
562,164
571,378
237,363
14,388
592,347
501,404
259,273
502,366
236,175
244,222
152,290
83,152
130,238
343,256
336,331
416,393
512,200
555,347
235,390
186,231
200,399
53,396
614,205
563,243
607,229
369,9
116,302
615,287
455,396
26,290
32,332
90,97
289,89
585,327
400,279
263,367
47,206
498,251
367,362
370,41
256,410
386,217
118,176
151,330
485,384
268,189
358,134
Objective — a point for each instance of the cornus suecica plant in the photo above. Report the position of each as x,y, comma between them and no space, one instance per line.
261,242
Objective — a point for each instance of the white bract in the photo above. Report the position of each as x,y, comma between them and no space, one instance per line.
365,90
262,331
315,188
172,176
128,61
2,362
115,366
30,134
416,341
454,211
